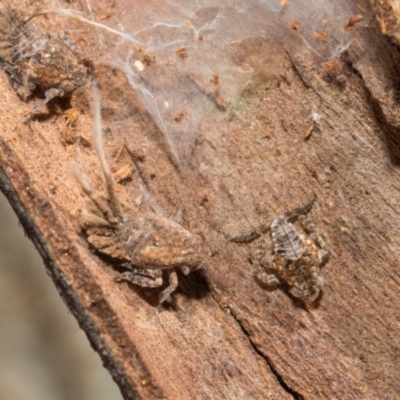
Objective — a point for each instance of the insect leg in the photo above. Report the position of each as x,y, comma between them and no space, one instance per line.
173,284
97,136
262,264
141,277
50,94
261,274
306,224
321,241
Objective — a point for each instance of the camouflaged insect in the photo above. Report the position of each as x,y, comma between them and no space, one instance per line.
146,244
297,257
35,59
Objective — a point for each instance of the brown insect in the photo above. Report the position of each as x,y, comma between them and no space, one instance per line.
353,22
322,36
336,71
146,244
294,24
35,59
297,257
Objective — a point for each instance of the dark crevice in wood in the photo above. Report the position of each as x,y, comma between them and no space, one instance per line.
278,376
391,133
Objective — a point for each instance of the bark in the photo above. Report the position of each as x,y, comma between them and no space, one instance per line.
225,336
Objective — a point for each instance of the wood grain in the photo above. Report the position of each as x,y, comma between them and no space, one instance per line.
225,336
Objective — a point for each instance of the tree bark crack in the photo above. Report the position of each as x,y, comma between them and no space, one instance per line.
279,377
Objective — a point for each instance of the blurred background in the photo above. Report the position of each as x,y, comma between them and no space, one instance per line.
43,352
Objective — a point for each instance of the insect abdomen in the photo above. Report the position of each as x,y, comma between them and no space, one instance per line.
286,240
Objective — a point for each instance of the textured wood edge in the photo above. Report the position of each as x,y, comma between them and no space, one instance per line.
21,193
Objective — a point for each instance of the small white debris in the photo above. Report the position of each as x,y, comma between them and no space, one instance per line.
316,117
139,200
139,65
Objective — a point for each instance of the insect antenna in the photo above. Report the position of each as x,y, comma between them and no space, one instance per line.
97,136
301,210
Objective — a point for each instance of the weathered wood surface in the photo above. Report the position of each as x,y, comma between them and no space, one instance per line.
226,337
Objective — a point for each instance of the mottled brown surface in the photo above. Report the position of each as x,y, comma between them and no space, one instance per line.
226,337
387,13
